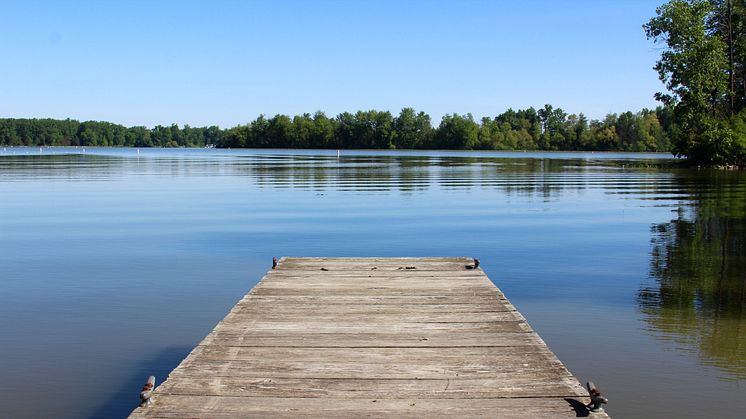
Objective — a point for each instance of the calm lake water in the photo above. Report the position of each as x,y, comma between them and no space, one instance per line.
114,264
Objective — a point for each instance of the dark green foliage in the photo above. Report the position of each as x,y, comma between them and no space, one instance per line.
51,132
456,132
412,130
547,129
704,69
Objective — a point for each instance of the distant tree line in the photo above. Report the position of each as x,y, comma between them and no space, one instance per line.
68,132
547,128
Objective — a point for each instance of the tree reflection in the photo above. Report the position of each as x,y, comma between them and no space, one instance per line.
698,261
539,178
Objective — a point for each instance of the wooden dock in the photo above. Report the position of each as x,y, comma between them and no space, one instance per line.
373,337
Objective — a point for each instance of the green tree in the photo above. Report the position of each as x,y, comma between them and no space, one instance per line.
456,132
279,133
699,67
257,133
322,133
411,129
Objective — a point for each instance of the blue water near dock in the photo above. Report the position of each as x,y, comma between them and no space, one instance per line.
115,263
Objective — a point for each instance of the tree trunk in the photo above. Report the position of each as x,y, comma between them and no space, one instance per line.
731,69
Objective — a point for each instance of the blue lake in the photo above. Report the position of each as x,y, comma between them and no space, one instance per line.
115,263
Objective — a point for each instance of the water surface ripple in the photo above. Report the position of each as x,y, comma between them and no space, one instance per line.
115,263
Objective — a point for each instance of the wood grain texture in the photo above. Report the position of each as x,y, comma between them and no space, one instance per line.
382,337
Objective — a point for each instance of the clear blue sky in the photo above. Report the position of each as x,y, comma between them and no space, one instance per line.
225,62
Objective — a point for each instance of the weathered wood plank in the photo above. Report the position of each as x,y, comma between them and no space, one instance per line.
362,369
370,362
403,337
375,291
389,318
397,300
499,386
456,264
355,282
381,258
319,327
375,273
367,340
375,354
259,307
173,406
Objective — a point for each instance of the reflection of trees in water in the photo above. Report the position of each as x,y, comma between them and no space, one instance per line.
699,263
535,178
544,179
531,177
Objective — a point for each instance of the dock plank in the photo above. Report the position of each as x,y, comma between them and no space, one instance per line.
181,406
384,337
